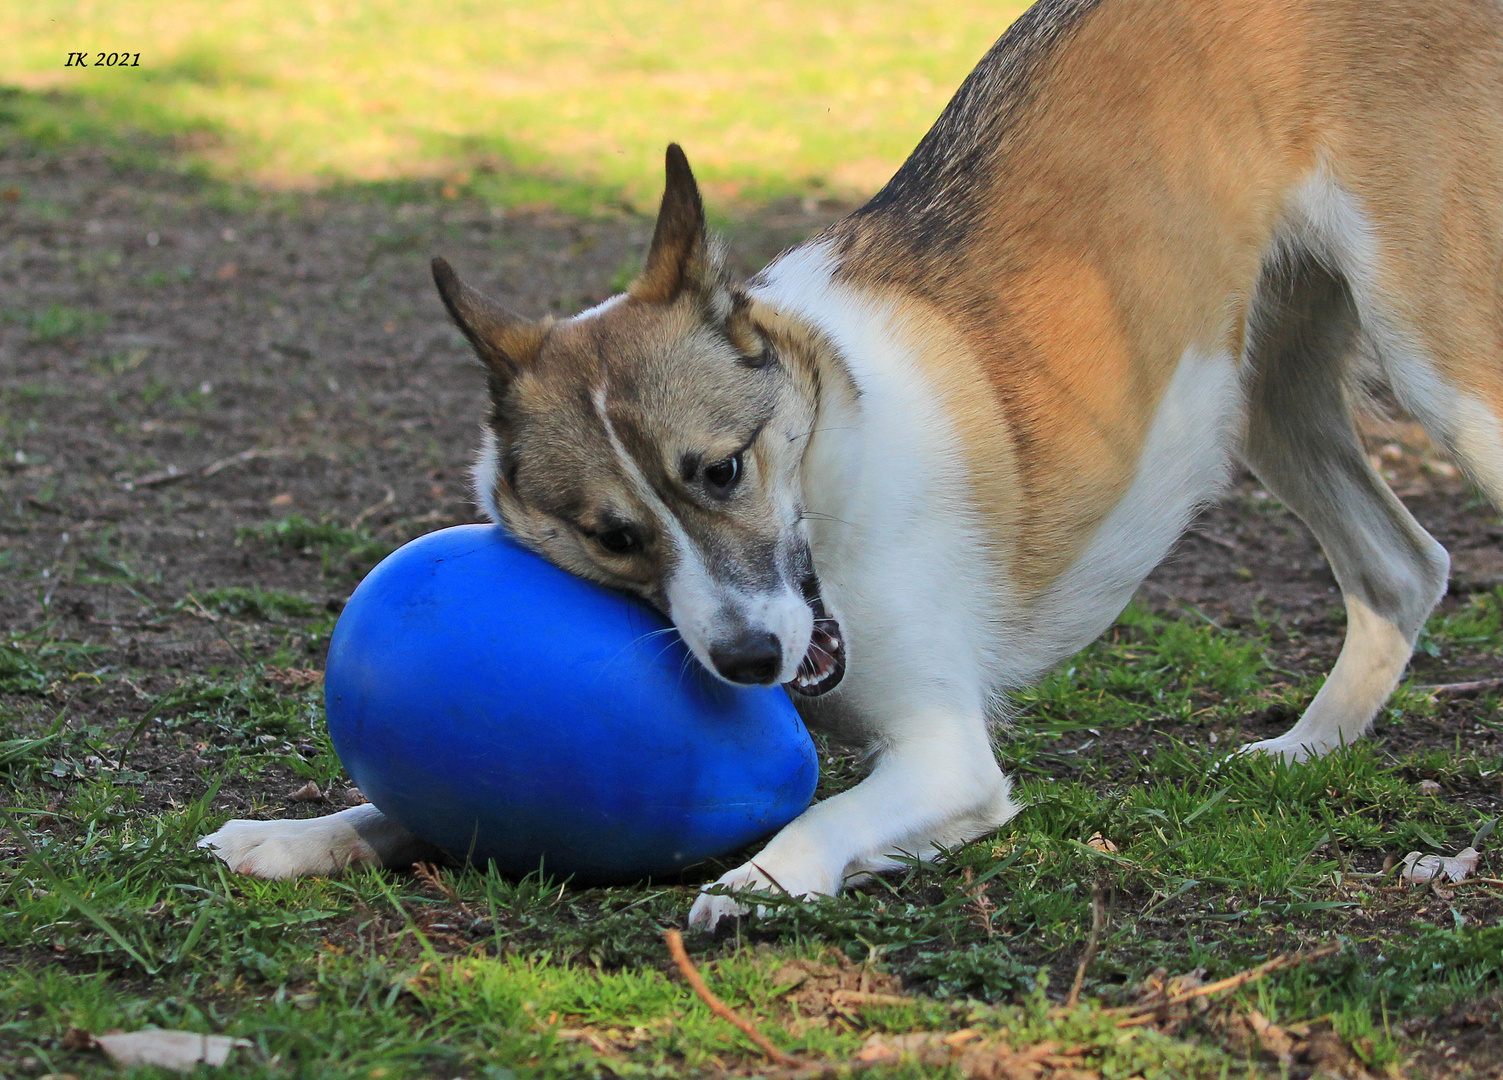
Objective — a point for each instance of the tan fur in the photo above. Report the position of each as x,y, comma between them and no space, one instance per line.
1143,187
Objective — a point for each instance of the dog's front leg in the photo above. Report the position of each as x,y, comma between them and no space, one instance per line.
317,847
935,784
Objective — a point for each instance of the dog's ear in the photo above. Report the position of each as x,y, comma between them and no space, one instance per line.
680,255
506,343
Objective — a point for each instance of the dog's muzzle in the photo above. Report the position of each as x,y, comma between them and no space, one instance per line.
823,665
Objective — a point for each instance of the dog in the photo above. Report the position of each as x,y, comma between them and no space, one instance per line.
931,452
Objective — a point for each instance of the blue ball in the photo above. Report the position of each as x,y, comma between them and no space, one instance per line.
505,710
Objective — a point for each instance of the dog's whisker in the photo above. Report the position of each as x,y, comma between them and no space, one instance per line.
823,517
816,431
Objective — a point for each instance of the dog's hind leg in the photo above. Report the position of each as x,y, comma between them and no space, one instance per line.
1302,444
317,847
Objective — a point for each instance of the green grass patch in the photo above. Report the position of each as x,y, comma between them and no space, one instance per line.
56,322
568,104
1218,863
36,662
256,603
346,551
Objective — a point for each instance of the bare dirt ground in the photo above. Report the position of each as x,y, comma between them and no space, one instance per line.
233,361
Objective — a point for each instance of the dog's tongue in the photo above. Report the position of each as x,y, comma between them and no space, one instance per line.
823,665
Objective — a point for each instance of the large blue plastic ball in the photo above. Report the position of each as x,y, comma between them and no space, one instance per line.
505,710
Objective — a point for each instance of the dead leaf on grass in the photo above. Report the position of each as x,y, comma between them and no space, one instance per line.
978,1057
78,1039
1299,1048
180,1050
818,990
1101,843
1419,869
1155,994
1273,1039
291,680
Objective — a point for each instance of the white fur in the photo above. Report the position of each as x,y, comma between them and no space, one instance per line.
897,546
600,308
1184,464
359,836
483,473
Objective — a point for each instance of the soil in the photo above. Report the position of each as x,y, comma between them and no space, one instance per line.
243,359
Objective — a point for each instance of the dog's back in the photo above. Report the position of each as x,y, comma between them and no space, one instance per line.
1111,185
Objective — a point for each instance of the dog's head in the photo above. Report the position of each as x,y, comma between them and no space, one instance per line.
654,444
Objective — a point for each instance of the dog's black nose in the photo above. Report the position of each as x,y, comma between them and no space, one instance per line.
752,658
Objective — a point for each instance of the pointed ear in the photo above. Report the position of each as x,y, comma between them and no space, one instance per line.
679,256
506,343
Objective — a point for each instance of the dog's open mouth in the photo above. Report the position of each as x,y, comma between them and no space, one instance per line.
823,665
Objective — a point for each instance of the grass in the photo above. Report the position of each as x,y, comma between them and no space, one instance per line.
110,917
57,322
343,550
567,104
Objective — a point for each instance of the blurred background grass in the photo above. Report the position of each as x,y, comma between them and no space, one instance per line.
564,103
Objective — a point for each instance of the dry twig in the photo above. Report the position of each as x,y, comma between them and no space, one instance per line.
390,497
1098,921
1135,1014
1462,689
691,974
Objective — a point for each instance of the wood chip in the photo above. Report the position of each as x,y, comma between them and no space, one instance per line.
307,793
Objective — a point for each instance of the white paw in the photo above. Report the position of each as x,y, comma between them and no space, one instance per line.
710,908
781,878
1291,750
316,847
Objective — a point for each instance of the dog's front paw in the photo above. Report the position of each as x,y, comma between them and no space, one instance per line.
1291,750
710,908
316,847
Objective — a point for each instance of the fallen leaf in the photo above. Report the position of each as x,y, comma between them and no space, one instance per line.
976,1057
1156,991
1419,869
307,793
180,1050
1100,843
1274,1039
78,1039
292,679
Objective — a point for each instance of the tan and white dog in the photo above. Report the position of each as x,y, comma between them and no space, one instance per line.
933,451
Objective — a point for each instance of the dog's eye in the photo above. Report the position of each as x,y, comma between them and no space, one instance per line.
723,475
619,541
